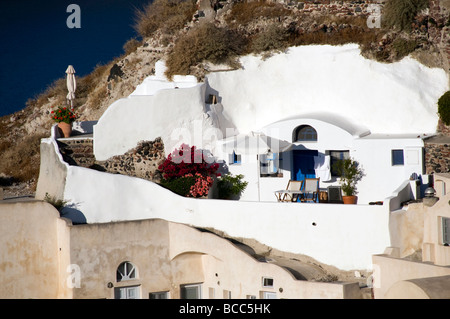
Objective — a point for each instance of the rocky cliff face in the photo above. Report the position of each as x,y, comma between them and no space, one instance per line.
305,22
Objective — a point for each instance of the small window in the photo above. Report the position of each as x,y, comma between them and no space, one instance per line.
337,156
305,133
235,158
131,292
251,297
446,231
397,157
226,294
126,271
159,295
267,282
268,295
270,165
191,291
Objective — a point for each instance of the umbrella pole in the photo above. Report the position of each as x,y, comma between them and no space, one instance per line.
258,170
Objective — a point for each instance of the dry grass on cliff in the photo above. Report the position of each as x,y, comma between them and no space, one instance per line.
204,42
248,11
166,15
20,160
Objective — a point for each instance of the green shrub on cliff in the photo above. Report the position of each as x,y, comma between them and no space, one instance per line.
444,108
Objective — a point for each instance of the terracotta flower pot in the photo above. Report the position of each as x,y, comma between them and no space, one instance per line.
349,199
65,129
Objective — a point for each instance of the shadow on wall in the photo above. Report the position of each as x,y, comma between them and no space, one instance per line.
72,213
214,108
85,127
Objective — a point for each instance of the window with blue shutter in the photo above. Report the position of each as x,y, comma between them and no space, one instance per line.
397,158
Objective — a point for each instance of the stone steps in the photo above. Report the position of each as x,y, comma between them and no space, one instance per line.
77,151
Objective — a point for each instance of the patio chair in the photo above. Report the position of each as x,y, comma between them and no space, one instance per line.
311,190
292,186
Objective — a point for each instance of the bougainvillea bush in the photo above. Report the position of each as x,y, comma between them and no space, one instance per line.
187,172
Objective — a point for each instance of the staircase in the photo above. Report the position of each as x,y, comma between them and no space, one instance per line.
77,151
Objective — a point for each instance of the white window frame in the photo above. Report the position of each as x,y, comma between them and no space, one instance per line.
128,292
334,154
270,165
268,295
159,295
265,282
198,288
308,134
235,159
445,227
129,271
392,157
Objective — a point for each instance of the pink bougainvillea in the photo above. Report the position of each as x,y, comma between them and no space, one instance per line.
186,160
188,163
201,186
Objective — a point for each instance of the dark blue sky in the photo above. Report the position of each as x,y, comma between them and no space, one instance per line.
37,46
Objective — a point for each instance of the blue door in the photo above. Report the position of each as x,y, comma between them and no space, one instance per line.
303,165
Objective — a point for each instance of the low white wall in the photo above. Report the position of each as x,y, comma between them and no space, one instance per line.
345,236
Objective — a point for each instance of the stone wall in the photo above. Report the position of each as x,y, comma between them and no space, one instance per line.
439,28
77,152
141,161
437,155
338,8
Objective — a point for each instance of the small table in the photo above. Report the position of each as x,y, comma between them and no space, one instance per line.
279,195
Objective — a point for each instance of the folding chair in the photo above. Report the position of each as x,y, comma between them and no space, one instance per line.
292,186
311,190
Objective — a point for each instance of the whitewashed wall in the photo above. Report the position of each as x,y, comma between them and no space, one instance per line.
386,98
372,151
345,236
176,115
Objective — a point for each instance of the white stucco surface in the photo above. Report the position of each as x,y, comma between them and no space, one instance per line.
345,236
377,97
176,115
385,98
157,82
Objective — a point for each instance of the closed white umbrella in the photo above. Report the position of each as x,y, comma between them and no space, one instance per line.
71,84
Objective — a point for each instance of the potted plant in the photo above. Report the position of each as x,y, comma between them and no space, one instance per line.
350,174
64,116
230,186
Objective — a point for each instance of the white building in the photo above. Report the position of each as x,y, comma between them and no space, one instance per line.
387,159
303,97
327,100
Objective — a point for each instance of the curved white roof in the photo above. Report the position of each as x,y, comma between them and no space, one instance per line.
345,124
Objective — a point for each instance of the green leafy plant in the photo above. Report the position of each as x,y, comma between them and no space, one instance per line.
350,174
229,185
181,185
444,108
187,172
57,203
